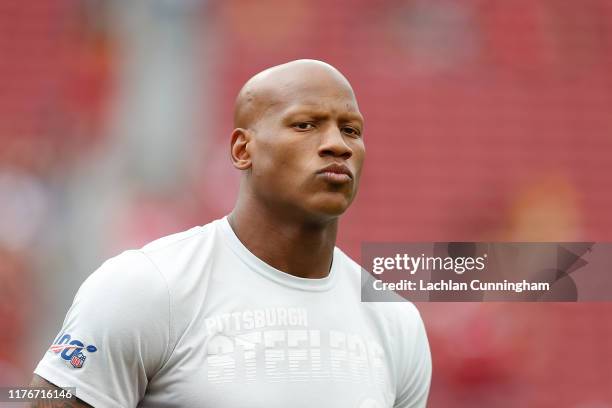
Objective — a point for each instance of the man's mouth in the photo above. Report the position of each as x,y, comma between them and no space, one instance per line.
336,173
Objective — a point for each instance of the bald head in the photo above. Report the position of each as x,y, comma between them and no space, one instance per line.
280,84
292,122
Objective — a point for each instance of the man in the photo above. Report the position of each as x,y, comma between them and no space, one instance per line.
257,309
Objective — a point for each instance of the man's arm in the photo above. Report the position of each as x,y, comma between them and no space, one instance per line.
39,382
118,328
415,373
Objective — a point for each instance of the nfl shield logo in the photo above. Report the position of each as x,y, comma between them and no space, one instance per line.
77,360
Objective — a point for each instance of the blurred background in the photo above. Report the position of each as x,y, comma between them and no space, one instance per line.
485,120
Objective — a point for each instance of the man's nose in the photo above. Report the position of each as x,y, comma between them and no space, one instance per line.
333,144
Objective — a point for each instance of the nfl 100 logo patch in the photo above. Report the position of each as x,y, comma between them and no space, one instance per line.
72,350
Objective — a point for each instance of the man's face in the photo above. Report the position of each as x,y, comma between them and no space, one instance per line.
307,150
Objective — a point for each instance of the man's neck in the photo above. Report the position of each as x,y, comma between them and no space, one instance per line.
297,247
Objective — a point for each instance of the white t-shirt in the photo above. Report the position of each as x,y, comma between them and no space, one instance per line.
195,319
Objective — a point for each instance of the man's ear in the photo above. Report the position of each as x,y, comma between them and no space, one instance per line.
241,159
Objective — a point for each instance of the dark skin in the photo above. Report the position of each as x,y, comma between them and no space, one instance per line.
291,123
40,382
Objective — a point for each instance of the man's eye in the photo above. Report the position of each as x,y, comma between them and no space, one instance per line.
303,126
351,131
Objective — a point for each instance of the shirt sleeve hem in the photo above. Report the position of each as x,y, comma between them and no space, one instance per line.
84,391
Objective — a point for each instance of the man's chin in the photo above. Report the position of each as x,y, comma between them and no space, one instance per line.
332,206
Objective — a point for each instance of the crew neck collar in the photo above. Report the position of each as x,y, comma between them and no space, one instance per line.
276,275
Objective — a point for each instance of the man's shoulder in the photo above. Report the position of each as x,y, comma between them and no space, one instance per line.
184,257
181,239
164,255
394,309
169,249
398,318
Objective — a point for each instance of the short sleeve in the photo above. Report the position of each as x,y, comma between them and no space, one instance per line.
414,374
116,335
